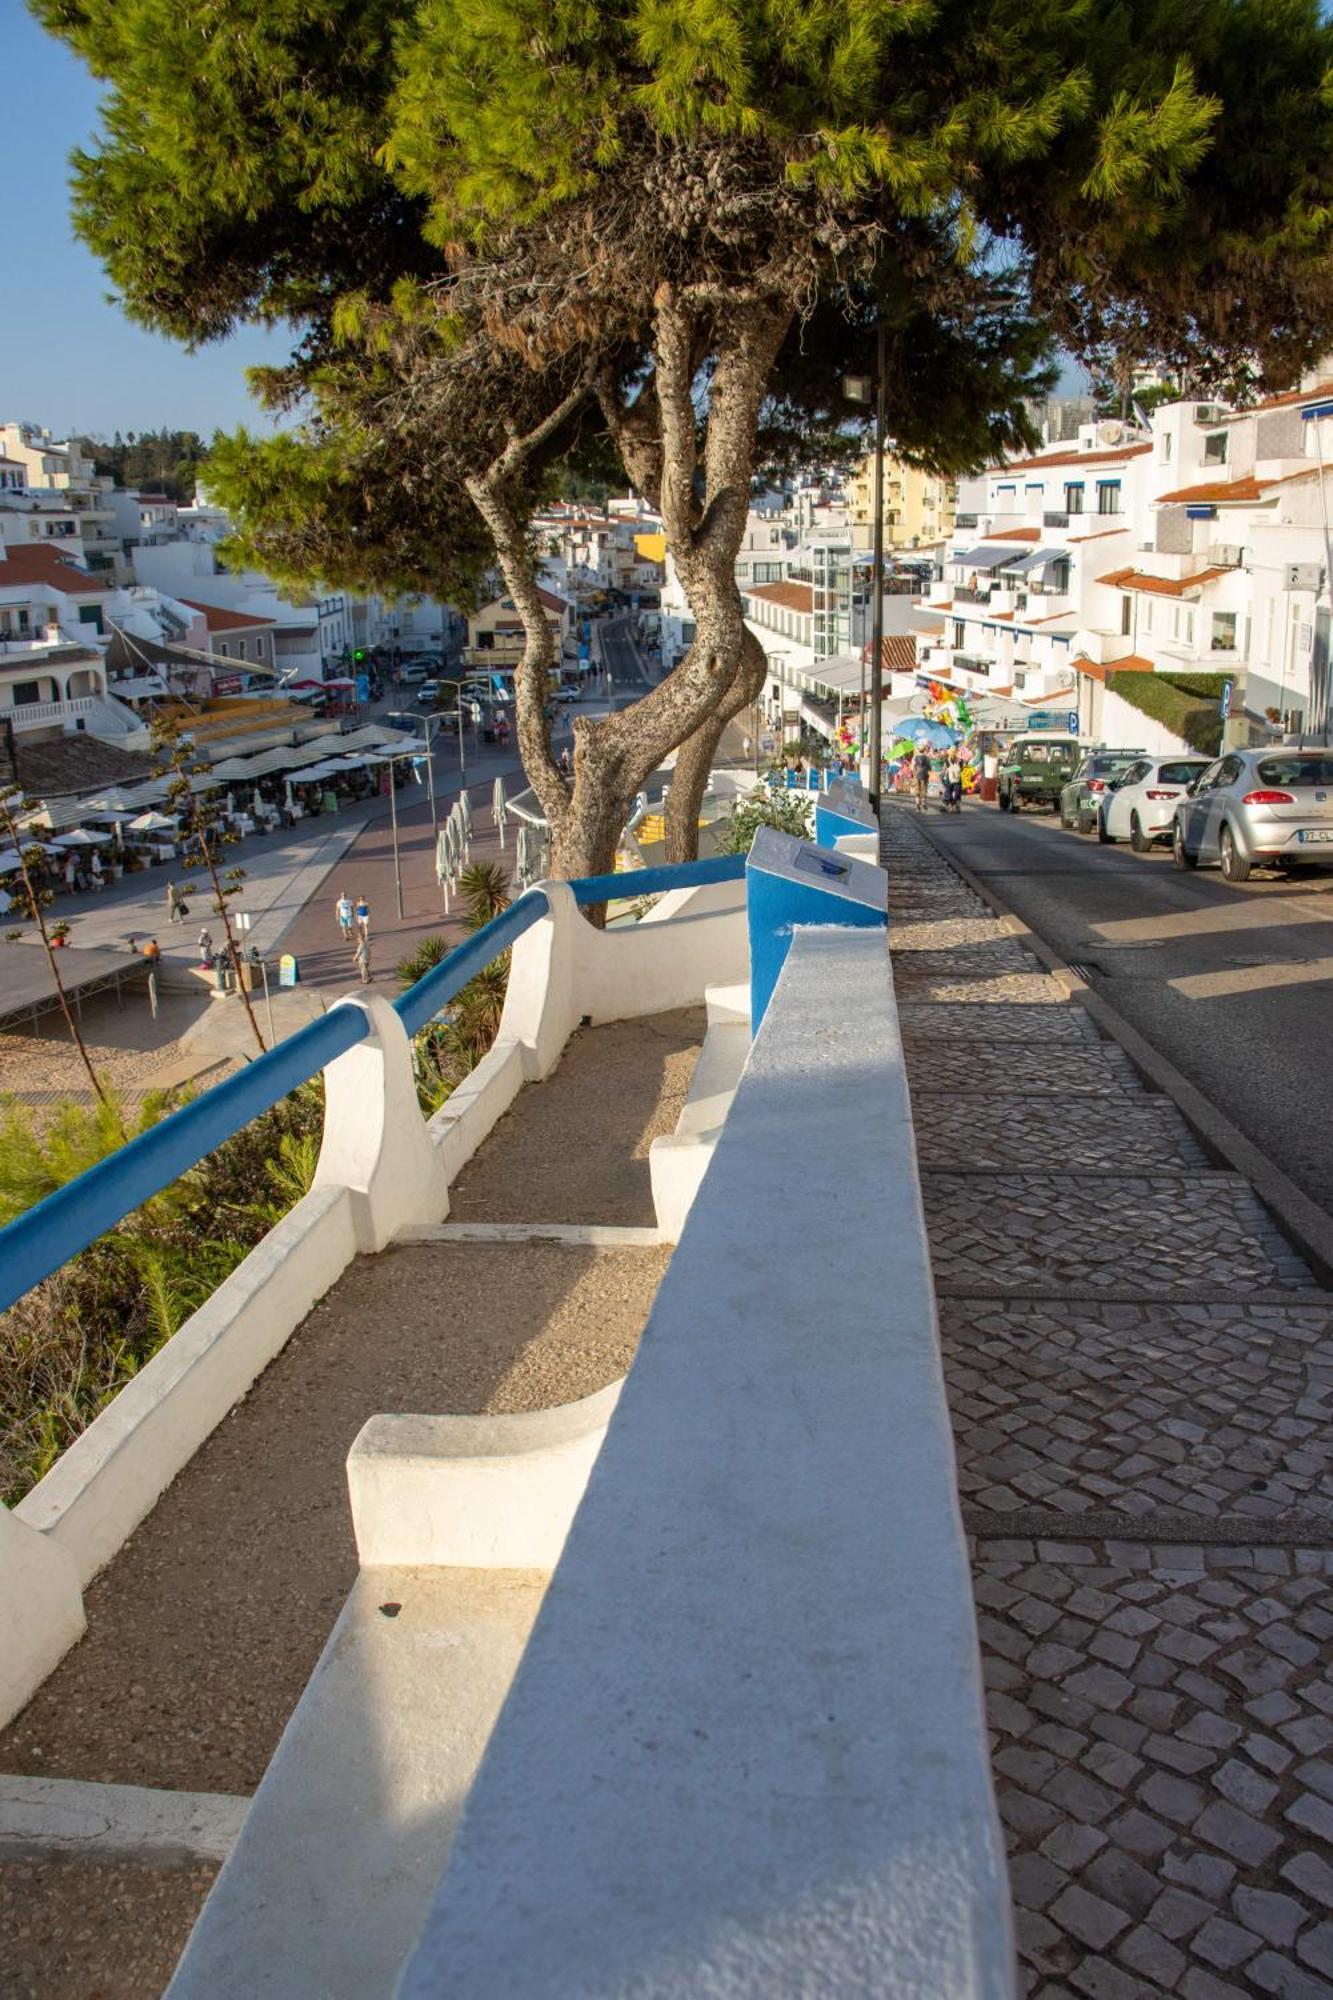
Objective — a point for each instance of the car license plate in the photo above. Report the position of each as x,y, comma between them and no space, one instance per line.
1308,833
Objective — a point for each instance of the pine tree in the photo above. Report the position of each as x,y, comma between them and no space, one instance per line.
508,231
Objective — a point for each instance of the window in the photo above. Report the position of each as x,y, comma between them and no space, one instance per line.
486,642
1224,632
1126,615
1165,453
768,572
26,692
1304,770
1215,448
1108,496
1074,497
959,632
1146,614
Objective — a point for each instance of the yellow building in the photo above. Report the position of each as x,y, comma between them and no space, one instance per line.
919,507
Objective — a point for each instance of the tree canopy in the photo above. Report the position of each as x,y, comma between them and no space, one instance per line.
509,234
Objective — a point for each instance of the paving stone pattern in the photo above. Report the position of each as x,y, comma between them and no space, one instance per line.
1160,1696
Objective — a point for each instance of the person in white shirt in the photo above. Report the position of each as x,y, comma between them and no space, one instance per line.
342,909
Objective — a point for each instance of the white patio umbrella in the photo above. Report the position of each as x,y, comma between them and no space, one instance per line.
9,862
152,822
80,838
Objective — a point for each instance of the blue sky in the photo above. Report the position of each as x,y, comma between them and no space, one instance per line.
68,357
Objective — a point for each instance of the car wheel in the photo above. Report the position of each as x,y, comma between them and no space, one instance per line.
1103,835
1180,854
1084,822
1138,839
1235,867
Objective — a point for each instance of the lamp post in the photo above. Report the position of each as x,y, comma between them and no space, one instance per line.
862,389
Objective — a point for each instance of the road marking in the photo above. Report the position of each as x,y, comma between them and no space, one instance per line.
45,1819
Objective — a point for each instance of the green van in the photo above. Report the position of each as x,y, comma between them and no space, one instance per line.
1034,770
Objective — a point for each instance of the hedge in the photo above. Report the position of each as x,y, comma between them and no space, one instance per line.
1189,705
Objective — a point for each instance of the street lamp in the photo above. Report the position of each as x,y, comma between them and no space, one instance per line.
862,389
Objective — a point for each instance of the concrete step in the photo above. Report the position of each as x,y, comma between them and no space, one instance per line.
994,1132
342,1850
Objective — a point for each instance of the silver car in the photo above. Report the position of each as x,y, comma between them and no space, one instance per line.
1258,807
1139,805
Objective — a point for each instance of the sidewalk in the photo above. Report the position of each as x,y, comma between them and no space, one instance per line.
1140,1373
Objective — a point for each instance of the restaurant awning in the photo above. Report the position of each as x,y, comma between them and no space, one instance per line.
1036,559
986,555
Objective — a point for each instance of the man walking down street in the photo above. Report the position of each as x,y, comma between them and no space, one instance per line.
953,781
342,910
921,773
362,958
175,904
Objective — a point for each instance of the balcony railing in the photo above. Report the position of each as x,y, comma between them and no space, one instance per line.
1055,519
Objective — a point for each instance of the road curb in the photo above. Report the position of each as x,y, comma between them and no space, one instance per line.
1309,1227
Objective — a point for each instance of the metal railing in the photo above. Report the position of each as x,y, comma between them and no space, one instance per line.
46,1236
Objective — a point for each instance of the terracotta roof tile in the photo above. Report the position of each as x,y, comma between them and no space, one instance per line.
1102,535
1160,586
1014,535
1060,458
35,563
218,619
792,596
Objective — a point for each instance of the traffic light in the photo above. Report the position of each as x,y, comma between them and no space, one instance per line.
359,655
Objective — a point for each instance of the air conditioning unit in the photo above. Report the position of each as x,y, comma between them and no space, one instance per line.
1226,555
1110,433
1209,413
1304,576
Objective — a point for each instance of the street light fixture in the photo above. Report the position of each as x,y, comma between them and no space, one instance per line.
864,389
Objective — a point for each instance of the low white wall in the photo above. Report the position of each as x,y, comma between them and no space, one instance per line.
381,1169
474,1492
745,1752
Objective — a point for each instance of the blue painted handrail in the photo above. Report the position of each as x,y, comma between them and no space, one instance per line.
447,979
46,1236
658,881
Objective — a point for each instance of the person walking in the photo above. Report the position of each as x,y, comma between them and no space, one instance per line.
362,958
342,910
953,781
175,903
921,774
362,918
564,760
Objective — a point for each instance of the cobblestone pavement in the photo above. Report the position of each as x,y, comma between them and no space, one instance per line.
1140,1375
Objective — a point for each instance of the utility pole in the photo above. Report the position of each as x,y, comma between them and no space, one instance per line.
877,579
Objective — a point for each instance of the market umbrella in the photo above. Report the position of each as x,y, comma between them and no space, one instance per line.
80,838
152,822
936,735
498,813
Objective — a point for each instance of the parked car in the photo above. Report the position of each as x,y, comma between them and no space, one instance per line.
428,693
1033,769
1081,795
1139,805
568,694
1253,808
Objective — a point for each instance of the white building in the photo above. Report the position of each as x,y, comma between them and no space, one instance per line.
59,468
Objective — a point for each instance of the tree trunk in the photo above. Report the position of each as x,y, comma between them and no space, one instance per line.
689,779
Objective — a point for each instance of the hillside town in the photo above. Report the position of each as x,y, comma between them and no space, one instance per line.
666,1083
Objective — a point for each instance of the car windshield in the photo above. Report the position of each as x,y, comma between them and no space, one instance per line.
1296,770
1179,774
1035,753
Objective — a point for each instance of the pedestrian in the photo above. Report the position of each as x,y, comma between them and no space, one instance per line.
95,869
921,773
362,917
564,760
342,910
362,958
175,903
71,873
152,951
953,780
206,949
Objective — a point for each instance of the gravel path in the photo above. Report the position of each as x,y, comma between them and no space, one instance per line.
576,1149
70,1930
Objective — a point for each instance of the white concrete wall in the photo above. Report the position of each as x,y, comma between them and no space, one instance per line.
745,1751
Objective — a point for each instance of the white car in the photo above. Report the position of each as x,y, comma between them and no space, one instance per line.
1139,804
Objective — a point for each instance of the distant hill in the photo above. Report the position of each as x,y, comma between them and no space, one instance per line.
151,461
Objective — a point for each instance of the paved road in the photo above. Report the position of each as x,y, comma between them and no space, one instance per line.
1235,986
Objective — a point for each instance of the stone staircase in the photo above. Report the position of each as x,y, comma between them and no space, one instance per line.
1140,1376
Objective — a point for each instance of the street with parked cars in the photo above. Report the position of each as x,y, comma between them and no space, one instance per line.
1199,903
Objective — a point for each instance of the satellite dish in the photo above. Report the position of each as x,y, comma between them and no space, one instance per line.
1111,433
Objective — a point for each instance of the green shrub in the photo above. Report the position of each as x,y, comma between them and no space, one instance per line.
789,812
73,1342
1189,705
